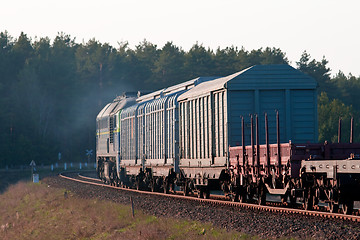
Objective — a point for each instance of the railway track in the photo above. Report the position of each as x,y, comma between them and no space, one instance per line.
218,200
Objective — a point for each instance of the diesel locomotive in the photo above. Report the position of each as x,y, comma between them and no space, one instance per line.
179,137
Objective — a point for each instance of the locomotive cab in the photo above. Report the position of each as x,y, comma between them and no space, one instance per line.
108,138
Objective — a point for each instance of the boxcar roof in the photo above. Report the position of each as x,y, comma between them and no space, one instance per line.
173,89
256,77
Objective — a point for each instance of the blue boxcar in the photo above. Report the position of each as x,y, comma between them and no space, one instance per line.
210,114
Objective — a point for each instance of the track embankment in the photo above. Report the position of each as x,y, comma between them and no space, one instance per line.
249,220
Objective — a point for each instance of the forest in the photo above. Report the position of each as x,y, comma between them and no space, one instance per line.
52,90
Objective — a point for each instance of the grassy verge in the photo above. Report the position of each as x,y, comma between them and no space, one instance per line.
11,176
34,211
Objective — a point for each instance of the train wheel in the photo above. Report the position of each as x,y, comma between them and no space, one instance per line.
242,198
172,188
262,196
207,193
200,193
333,207
308,202
262,199
243,195
186,190
166,187
348,207
153,186
234,197
292,200
249,191
137,183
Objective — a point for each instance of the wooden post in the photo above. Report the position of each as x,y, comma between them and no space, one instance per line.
132,207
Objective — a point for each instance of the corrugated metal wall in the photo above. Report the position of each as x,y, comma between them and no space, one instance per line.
204,127
140,130
270,101
303,115
154,129
241,104
128,133
297,114
220,123
172,127
150,130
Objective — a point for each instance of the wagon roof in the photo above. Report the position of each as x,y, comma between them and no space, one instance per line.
256,77
173,89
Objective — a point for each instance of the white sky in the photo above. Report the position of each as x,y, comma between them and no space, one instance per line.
327,28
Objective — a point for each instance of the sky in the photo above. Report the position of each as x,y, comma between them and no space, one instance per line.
324,28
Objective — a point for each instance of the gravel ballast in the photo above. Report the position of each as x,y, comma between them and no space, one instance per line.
253,222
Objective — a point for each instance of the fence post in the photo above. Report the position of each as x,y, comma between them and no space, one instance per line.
132,207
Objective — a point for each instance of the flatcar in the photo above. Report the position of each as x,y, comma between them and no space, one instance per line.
309,172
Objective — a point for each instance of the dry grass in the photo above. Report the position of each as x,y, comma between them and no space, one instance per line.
34,211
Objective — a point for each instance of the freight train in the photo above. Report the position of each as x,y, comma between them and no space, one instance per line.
191,136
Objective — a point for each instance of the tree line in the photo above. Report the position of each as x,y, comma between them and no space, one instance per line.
51,91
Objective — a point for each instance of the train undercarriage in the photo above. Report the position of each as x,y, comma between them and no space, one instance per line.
310,189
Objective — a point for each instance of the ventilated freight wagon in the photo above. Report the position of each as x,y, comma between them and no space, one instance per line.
210,115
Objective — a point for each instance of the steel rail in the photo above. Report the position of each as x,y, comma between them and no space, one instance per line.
252,206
